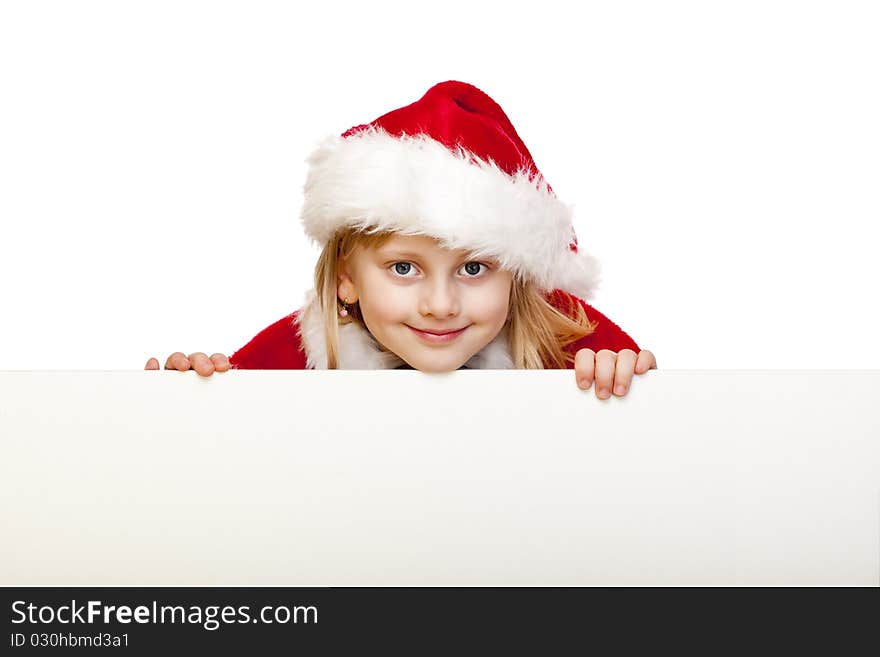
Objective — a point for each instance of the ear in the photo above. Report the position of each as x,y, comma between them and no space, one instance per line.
345,287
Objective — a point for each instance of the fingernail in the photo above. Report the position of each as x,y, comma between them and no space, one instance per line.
582,384
603,393
620,390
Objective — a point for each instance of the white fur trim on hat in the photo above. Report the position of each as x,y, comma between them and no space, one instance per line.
359,350
416,186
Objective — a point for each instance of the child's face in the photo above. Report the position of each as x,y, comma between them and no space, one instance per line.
411,283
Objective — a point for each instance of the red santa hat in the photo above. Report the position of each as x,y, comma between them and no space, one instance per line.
450,166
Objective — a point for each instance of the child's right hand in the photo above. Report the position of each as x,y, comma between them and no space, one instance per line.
198,361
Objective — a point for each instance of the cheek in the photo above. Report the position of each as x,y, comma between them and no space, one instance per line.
493,303
392,305
385,305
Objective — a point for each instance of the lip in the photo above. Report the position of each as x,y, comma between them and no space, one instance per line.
438,338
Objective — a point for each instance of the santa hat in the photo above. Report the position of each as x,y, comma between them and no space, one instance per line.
450,166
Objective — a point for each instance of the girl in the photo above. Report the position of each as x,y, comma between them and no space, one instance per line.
443,249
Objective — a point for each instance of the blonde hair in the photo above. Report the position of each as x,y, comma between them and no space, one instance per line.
538,331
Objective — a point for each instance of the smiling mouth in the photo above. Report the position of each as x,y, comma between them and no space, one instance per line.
438,337
438,332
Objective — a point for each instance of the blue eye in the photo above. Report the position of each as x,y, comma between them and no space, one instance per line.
471,269
402,268
474,268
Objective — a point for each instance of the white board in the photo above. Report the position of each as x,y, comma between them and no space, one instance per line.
467,478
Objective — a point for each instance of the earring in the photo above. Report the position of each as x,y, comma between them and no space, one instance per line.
343,312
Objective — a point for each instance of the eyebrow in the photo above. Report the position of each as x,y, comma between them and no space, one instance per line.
388,254
394,253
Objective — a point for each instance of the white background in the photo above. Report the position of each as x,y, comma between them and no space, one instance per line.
723,160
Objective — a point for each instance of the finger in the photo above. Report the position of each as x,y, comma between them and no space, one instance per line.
584,368
605,360
152,364
177,361
221,362
645,362
623,371
201,363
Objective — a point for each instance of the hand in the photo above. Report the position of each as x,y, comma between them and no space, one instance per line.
198,361
611,370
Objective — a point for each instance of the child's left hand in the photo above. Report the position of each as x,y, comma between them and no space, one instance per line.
611,370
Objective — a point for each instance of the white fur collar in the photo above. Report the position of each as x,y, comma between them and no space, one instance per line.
358,350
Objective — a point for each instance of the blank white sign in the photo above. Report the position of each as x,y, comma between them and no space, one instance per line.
466,478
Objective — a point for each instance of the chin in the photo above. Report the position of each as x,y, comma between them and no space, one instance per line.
437,366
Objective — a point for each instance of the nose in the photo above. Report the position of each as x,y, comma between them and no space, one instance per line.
440,299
